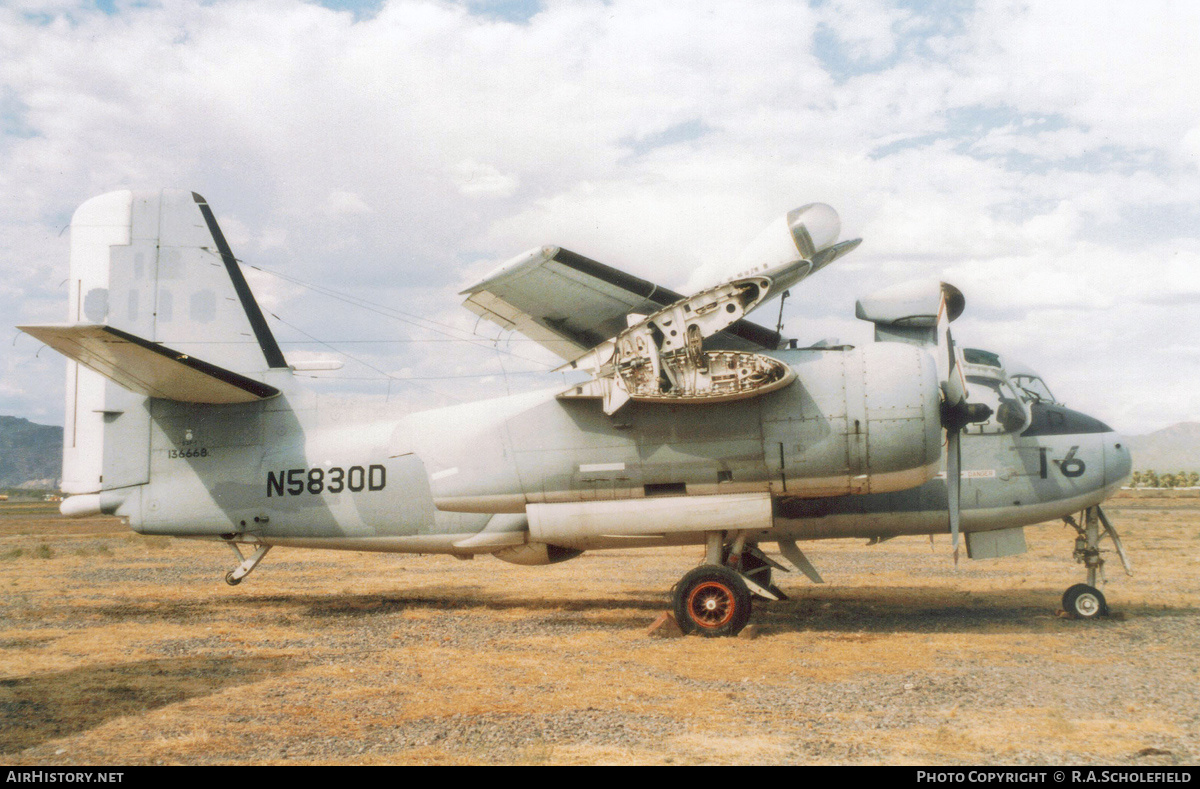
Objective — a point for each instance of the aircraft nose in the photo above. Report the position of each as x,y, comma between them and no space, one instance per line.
1118,463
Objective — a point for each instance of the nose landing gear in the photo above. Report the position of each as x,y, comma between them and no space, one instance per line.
1085,601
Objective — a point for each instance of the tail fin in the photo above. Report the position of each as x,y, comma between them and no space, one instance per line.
156,265
154,289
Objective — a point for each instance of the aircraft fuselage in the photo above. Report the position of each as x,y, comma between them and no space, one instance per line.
835,459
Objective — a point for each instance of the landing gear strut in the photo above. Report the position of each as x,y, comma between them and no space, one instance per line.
1086,601
235,576
755,566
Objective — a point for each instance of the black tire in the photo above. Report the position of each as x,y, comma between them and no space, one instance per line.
229,579
1084,602
712,601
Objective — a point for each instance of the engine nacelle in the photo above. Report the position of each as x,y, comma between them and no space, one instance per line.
797,235
861,420
908,312
535,553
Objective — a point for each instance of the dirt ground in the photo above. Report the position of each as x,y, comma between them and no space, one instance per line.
122,649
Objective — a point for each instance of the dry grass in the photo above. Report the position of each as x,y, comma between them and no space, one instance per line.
116,648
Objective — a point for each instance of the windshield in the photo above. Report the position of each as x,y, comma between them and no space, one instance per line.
1033,389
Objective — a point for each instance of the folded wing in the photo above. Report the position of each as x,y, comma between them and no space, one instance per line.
569,304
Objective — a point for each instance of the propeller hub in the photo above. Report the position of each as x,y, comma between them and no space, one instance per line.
956,416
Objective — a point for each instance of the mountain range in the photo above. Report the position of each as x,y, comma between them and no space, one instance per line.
31,454
1172,449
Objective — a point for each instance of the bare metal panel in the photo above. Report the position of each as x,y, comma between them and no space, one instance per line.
995,544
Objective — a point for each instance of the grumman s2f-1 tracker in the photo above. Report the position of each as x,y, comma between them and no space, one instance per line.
696,426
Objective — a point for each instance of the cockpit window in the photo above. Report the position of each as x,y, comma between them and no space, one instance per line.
976,356
1033,389
1007,414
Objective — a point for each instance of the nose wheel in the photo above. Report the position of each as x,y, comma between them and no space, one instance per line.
1084,602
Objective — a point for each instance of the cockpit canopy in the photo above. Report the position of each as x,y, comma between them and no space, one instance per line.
1031,386
991,382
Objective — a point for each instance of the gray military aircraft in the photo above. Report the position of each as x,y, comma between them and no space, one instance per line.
696,426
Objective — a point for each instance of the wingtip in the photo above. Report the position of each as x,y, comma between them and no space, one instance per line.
534,256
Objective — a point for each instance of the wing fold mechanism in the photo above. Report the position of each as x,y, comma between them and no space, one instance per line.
149,368
595,317
661,358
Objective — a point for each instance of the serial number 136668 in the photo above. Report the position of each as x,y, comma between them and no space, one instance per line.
334,479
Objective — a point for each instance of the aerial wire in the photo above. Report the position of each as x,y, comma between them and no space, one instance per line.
368,365
417,321
391,312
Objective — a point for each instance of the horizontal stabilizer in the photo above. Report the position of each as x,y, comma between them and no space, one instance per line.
149,368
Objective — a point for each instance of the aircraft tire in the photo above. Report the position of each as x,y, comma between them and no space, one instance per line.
712,601
1084,602
229,579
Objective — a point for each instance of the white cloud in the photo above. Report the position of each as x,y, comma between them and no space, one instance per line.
868,29
1044,156
482,180
341,203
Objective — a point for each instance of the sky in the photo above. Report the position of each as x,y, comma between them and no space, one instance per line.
371,159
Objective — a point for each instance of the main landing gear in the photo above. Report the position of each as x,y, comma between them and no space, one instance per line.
714,599
1086,601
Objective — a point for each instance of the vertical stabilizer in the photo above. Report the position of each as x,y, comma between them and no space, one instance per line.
154,265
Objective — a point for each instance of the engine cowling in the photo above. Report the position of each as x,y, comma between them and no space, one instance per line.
861,420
